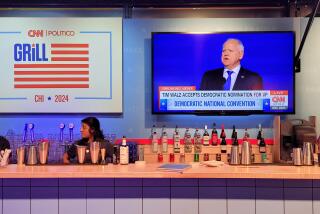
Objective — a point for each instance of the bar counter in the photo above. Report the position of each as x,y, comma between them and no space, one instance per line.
260,171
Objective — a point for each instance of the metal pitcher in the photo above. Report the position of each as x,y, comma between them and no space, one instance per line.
81,153
246,153
307,154
20,155
297,157
234,159
43,151
32,155
94,151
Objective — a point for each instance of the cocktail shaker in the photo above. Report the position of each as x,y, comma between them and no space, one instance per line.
43,151
94,151
246,153
297,157
234,159
307,154
32,155
20,155
81,153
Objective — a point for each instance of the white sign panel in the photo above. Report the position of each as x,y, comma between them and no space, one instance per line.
61,65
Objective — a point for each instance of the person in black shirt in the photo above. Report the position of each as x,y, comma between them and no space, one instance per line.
4,143
90,132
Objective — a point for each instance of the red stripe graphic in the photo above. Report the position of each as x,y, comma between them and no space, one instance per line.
66,59
69,52
51,72
70,59
63,45
53,86
51,66
53,79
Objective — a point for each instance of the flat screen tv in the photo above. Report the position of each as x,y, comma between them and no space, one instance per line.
229,73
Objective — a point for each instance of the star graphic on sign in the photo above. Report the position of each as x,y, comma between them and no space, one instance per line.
162,103
49,98
266,103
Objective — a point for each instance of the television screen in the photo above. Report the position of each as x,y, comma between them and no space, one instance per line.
223,73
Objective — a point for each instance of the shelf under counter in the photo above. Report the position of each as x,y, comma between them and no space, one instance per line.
259,171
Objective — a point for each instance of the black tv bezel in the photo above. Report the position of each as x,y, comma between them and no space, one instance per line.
222,112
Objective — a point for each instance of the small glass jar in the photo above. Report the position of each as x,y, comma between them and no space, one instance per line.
171,157
206,156
196,157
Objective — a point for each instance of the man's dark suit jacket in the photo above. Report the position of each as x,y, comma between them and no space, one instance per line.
246,80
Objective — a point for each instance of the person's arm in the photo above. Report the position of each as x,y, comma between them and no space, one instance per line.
66,159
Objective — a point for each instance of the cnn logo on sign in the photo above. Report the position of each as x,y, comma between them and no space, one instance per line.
35,33
279,99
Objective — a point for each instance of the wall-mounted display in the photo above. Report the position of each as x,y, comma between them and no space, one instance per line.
223,73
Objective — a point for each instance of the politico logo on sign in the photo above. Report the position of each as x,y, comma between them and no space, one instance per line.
35,33
50,33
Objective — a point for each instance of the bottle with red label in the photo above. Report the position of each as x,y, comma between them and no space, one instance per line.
214,135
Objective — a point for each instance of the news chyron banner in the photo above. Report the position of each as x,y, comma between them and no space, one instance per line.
186,98
61,65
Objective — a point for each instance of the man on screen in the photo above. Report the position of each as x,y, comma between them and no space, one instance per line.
233,76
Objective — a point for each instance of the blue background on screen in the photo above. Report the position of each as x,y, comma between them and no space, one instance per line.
180,59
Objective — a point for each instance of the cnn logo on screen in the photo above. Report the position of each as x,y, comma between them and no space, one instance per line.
35,33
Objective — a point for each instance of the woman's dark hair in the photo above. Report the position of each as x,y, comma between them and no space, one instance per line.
94,125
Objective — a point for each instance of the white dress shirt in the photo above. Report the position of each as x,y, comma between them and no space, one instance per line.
233,75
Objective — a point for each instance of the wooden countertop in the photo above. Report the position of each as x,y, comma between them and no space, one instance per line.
151,171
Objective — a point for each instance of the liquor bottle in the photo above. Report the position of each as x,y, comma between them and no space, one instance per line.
223,144
206,136
262,146
176,141
124,152
187,142
259,136
233,132
246,135
235,139
164,140
197,142
154,140
222,134
115,155
214,136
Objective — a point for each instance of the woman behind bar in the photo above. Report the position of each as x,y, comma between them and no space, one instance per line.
90,132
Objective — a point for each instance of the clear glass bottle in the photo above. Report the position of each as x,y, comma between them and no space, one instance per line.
187,142
124,152
176,141
164,140
246,135
206,136
197,142
154,140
